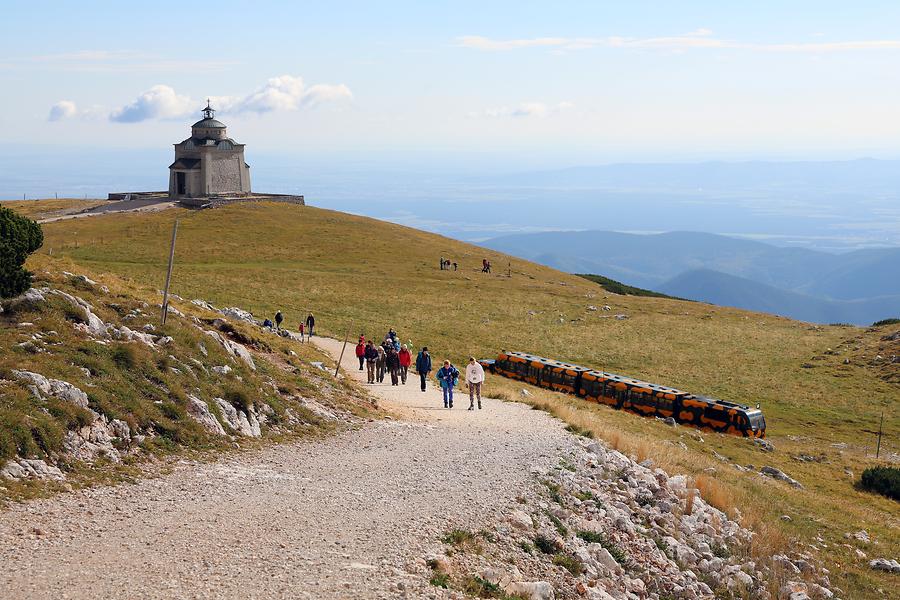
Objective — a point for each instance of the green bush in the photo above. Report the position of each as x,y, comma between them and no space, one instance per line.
885,322
19,237
882,480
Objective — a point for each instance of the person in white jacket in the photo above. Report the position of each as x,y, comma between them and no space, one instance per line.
474,379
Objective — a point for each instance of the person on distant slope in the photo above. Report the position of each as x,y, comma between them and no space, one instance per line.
278,319
448,375
474,379
310,324
405,359
361,353
371,358
423,365
380,363
267,324
393,365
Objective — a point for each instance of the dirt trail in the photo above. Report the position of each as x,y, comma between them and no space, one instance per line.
346,517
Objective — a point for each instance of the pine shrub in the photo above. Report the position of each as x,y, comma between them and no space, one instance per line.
882,480
19,237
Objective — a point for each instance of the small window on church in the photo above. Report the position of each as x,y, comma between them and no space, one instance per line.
188,145
225,146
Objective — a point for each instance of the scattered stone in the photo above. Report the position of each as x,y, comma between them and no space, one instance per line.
781,476
222,370
532,590
883,564
764,445
524,392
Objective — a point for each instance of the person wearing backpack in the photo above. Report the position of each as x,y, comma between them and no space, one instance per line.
423,365
448,375
278,319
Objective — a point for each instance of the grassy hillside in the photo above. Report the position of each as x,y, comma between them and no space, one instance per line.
363,275
145,384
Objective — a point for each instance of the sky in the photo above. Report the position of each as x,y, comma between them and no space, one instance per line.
460,84
402,110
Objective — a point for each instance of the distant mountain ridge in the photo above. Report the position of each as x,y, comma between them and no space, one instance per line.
857,287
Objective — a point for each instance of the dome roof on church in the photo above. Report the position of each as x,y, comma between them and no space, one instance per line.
209,123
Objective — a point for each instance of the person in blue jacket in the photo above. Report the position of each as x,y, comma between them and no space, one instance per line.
448,375
423,365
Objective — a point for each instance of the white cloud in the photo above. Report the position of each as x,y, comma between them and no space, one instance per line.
698,39
64,109
285,93
159,102
525,109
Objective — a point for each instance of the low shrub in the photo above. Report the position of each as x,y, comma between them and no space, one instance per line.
886,322
546,545
882,480
569,563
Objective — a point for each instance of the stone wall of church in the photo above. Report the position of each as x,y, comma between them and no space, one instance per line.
224,174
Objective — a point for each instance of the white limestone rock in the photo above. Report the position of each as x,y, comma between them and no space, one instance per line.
42,387
532,590
233,348
198,410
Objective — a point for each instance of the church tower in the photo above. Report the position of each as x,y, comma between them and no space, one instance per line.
209,163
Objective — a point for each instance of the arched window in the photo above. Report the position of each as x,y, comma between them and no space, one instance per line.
226,145
189,145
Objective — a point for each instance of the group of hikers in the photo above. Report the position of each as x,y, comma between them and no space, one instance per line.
447,265
395,358
306,327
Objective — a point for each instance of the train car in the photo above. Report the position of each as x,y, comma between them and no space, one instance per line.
632,395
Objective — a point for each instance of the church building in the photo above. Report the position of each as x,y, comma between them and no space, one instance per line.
209,163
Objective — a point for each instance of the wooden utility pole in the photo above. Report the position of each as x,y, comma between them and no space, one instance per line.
880,426
165,302
344,347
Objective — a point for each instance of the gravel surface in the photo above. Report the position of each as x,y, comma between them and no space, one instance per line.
351,516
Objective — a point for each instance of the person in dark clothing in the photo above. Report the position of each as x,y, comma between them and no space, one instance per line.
278,319
448,375
423,365
310,324
361,354
268,324
393,365
371,358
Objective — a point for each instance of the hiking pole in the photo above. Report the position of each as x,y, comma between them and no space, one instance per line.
344,347
165,302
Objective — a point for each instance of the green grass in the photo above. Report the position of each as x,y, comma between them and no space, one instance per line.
569,563
347,270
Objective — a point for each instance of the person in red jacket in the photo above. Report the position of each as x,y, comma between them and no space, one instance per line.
361,353
405,360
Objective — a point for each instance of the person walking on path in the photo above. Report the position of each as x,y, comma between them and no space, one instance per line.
405,359
310,325
361,353
448,375
371,358
278,319
474,379
423,365
393,365
380,364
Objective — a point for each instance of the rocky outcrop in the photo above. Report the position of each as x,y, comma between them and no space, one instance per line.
198,410
41,387
607,527
99,438
235,349
25,468
245,423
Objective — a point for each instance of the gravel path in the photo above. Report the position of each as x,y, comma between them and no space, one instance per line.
350,516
